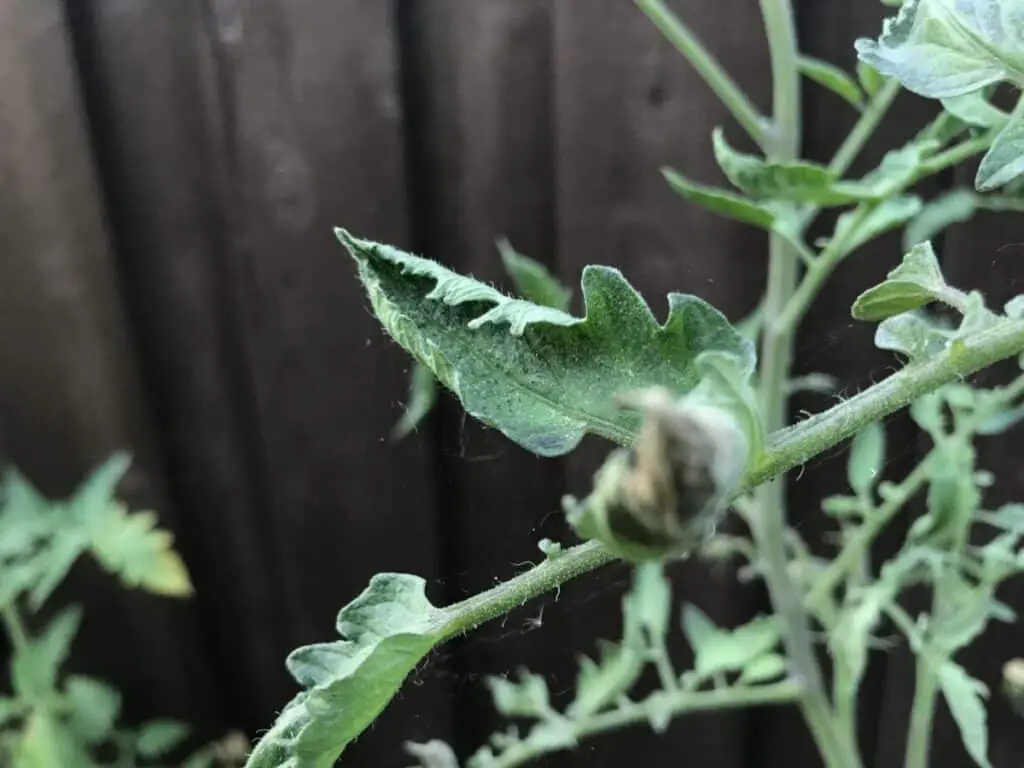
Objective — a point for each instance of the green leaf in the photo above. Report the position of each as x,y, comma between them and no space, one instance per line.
648,606
833,78
867,455
700,631
388,630
47,743
93,708
795,181
1004,161
541,376
527,698
600,684
953,207
914,335
34,668
25,516
131,546
940,49
158,738
898,169
532,279
869,78
764,669
770,216
965,698
423,393
975,110
432,754
917,281
891,213
52,565
734,650
851,638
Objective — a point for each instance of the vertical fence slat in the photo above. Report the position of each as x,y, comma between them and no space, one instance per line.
70,387
479,76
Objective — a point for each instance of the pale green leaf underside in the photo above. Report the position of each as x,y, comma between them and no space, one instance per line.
944,48
540,375
388,630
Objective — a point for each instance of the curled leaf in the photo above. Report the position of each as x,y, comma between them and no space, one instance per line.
541,376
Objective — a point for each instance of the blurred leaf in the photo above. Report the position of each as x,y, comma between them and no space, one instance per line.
648,605
499,355
25,517
733,650
795,181
940,49
888,215
917,281
601,683
764,669
131,546
975,110
869,78
953,207
423,392
158,738
1004,161
432,754
93,708
47,743
914,335
700,631
965,697
526,698
35,667
52,565
532,279
867,454
833,78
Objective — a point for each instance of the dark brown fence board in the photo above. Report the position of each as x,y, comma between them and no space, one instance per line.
71,388
479,79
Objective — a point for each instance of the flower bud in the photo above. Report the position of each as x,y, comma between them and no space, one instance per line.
663,497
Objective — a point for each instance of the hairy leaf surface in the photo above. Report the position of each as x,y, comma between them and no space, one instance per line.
387,631
541,376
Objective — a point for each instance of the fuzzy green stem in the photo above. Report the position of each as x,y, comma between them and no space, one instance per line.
659,704
786,449
708,67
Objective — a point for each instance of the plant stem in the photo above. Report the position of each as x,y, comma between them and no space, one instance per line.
786,449
776,361
470,613
922,711
865,127
708,67
15,627
661,704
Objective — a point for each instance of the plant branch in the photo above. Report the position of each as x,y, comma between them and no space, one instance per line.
922,711
657,705
15,627
865,127
786,449
708,67
776,361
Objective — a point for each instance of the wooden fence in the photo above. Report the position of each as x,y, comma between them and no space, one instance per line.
171,173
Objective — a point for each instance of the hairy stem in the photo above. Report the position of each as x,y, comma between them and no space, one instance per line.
662,703
708,67
786,449
865,127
